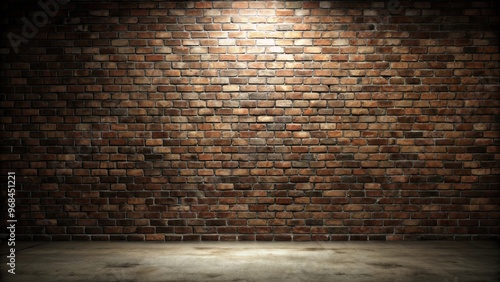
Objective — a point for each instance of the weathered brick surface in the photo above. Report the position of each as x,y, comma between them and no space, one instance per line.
258,120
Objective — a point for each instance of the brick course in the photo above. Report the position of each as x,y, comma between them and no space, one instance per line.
254,120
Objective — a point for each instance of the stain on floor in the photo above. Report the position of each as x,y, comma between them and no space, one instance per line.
123,265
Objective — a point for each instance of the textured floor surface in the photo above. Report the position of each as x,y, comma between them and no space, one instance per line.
241,261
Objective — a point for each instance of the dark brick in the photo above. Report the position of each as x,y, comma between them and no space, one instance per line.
193,127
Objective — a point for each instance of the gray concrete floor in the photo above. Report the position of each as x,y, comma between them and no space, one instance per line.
254,261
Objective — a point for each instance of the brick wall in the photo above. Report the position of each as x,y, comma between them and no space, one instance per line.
258,120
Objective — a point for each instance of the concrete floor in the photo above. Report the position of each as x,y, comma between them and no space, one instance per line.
254,261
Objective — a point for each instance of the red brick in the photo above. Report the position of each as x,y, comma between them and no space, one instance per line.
254,121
